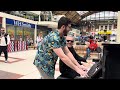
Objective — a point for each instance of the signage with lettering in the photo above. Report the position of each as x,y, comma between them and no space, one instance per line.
19,23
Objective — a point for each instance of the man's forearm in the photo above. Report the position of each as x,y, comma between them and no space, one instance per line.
71,57
69,63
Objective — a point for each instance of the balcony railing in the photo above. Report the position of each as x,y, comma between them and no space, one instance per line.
34,17
23,15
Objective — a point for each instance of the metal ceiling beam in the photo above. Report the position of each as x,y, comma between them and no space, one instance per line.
75,18
59,12
88,13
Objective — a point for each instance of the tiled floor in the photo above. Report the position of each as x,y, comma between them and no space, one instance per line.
9,75
20,66
11,59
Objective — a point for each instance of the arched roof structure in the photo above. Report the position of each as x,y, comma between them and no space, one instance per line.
75,16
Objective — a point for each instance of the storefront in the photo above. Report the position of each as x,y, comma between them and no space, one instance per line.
0,22
106,34
44,29
19,30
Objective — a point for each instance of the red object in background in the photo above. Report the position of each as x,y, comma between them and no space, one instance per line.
23,48
91,40
0,20
8,48
11,47
26,46
15,46
93,45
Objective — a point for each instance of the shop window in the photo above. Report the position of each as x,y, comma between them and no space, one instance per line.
19,33
105,30
11,31
42,17
115,26
110,27
105,27
28,33
101,27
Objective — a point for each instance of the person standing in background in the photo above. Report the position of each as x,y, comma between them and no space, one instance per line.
39,38
4,41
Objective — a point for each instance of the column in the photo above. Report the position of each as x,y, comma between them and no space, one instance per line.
51,15
118,28
35,34
99,27
4,23
39,16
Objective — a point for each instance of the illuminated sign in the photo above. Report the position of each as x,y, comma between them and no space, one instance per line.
19,23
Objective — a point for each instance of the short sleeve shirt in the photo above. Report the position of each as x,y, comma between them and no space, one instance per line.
46,58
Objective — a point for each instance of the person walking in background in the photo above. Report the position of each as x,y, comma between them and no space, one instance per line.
53,46
39,38
4,41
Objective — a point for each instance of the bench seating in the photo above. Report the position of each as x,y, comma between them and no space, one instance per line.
31,47
81,50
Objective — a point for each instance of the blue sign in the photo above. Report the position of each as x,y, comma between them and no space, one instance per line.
19,23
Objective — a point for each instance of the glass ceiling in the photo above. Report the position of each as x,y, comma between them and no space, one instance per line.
36,12
99,15
102,15
82,12
95,16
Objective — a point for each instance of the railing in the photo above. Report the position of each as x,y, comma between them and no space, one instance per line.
23,15
17,46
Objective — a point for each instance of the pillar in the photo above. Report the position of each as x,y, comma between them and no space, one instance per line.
4,23
39,16
108,27
35,34
118,28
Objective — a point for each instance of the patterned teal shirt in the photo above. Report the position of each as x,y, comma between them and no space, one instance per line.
46,58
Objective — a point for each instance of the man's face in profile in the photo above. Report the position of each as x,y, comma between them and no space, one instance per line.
40,34
2,30
67,29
